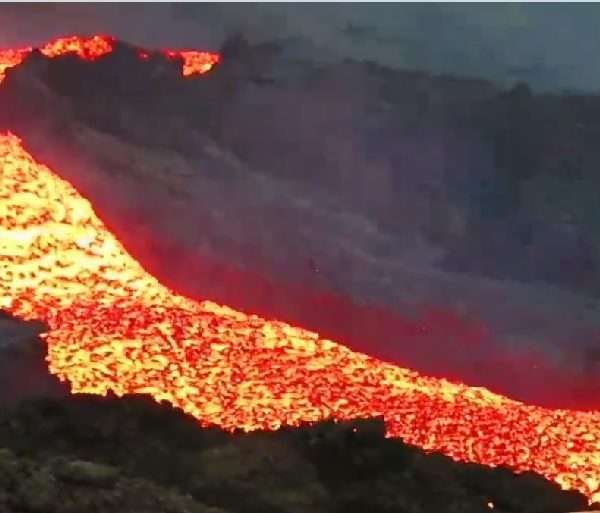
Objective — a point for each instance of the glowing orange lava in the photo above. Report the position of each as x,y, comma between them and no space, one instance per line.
113,326
194,63
94,47
89,48
10,59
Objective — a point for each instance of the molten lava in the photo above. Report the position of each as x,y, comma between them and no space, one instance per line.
194,63
114,327
89,48
92,48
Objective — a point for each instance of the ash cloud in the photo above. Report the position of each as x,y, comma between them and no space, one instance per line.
373,205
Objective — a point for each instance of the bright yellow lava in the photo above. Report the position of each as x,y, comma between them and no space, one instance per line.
113,326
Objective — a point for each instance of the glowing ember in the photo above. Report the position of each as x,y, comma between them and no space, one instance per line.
92,48
112,326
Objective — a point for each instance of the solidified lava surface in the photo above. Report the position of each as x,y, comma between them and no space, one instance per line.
114,327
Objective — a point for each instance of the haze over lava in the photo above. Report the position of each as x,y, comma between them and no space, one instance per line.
370,208
113,326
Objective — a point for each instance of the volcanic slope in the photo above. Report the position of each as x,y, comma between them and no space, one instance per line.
114,327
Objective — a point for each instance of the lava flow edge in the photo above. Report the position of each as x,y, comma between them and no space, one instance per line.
114,327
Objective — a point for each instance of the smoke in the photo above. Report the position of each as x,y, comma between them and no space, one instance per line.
551,46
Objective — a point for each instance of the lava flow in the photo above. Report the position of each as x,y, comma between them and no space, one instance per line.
92,48
114,327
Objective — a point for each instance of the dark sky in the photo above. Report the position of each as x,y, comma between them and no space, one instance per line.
553,46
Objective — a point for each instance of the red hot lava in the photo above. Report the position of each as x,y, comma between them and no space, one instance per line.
114,327
92,48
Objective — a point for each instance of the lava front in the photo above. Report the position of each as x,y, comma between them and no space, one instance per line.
114,327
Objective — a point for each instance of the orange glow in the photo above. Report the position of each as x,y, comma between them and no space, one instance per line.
194,63
113,327
92,48
10,59
88,48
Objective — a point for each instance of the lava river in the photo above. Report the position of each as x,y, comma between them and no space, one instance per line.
113,327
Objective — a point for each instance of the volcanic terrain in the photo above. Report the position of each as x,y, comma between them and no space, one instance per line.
112,326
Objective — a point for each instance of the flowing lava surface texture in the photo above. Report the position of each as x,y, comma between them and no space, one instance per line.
114,327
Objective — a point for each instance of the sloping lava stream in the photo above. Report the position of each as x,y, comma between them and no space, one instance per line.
114,327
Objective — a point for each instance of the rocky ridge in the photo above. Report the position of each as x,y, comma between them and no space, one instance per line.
96,454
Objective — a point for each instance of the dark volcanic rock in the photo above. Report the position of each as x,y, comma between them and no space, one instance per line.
109,453
38,487
23,368
88,473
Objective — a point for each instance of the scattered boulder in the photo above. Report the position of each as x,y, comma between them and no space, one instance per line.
37,492
33,486
87,473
